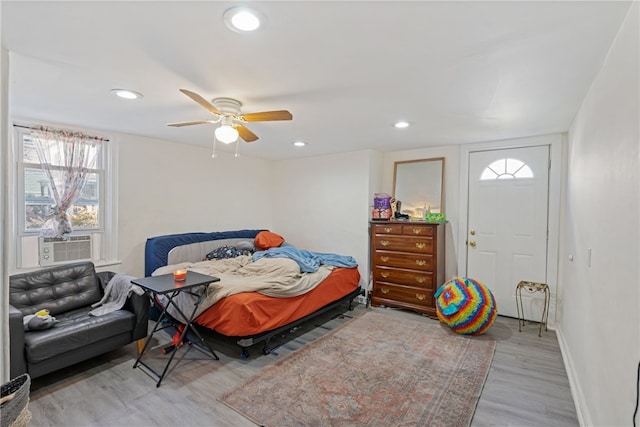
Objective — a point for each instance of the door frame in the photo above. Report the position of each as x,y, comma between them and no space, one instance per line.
556,143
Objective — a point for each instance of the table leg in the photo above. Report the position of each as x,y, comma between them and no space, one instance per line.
187,326
519,307
148,340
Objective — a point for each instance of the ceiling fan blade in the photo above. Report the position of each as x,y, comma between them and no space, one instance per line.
180,124
245,133
200,100
267,116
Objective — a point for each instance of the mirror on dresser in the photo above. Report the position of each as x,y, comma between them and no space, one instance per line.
418,185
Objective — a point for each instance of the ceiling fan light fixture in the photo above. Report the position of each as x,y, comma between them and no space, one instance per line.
126,93
226,134
242,19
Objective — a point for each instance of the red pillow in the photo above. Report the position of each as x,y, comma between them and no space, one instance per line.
267,239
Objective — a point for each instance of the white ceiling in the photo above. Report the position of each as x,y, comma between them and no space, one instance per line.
460,72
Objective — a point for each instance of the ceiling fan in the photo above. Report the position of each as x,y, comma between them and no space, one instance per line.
227,111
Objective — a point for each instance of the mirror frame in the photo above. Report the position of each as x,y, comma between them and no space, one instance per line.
420,185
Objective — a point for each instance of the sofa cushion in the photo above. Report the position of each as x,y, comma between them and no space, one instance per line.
57,289
76,329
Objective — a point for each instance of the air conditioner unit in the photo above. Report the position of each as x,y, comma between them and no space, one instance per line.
54,250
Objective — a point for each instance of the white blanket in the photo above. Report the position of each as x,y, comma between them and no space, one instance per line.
115,294
276,277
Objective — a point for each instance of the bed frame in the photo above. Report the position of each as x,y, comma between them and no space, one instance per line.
175,248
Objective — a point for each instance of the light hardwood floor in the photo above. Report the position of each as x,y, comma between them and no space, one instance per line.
526,386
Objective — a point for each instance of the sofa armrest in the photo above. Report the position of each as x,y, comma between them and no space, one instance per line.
139,305
17,362
103,278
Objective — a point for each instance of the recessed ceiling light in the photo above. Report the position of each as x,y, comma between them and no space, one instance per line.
401,125
126,94
299,143
242,19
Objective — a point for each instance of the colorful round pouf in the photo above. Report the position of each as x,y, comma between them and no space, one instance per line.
466,306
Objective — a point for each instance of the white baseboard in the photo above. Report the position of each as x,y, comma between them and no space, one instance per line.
582,409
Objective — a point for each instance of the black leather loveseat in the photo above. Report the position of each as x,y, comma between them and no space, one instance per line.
68,292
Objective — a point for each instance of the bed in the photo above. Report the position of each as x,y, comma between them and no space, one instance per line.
255,313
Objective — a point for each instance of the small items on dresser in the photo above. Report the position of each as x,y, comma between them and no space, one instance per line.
381,207
407,264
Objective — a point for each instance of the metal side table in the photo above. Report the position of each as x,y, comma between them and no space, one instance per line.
166,285
532,287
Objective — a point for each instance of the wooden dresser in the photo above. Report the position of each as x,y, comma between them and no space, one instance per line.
407,262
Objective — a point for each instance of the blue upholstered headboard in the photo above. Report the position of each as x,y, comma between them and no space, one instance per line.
157,248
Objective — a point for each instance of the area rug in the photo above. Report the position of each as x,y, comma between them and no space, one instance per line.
376,370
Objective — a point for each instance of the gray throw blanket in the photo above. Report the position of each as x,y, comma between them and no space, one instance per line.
115,294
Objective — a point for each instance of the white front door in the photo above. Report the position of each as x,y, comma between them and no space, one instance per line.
507,223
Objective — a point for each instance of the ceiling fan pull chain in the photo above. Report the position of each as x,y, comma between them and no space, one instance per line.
237,145
213,154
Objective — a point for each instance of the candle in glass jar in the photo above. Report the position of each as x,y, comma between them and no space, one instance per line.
180,275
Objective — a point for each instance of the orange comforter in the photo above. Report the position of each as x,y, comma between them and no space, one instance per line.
251,313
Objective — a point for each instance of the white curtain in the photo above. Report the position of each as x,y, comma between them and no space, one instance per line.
67,158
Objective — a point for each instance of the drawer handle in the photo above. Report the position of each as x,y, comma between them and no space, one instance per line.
384,242
384,274
420,279
384,258
421,245
388,230
384,290
417,231
421,262
421,297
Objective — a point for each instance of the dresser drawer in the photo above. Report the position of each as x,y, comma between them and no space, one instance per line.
417,230
402,294
421,245
403,260
403,277
387,228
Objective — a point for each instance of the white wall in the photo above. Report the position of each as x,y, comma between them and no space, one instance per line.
169,188
451,156
600,325
321,204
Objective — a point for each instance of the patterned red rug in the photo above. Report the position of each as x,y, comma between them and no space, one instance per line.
376,370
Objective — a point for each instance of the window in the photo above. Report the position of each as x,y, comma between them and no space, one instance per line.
506,169
84,213
38,200
92,214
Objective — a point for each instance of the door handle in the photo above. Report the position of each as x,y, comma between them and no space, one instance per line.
472,243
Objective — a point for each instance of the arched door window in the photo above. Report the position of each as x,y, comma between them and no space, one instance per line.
506,169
